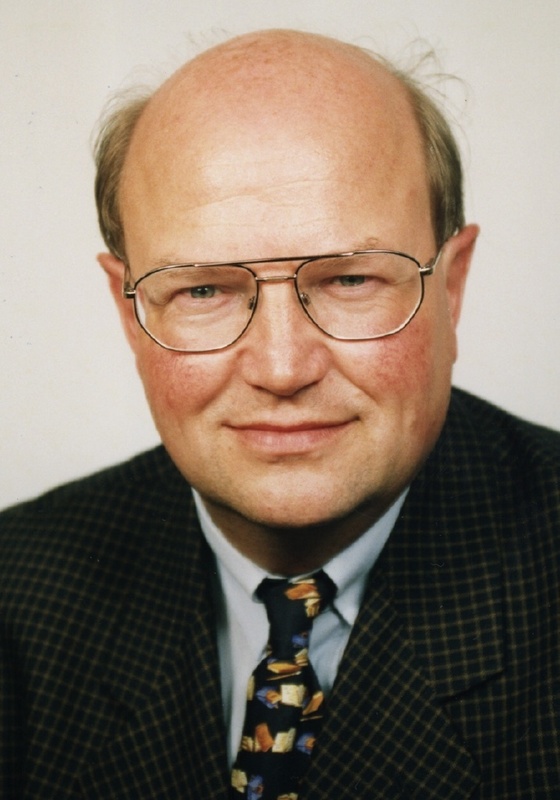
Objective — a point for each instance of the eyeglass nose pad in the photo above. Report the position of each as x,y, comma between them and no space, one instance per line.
252,302
305,299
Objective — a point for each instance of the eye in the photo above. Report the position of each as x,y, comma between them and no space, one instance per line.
203,292
351,280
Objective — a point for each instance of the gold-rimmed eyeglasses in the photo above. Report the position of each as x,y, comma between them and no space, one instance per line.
200,308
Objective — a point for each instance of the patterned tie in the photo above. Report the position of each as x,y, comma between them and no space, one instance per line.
284,699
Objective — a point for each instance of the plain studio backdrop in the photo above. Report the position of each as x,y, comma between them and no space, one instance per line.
70,400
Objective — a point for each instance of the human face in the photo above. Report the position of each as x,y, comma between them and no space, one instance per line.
287,427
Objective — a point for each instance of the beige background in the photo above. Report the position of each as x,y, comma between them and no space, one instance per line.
70,401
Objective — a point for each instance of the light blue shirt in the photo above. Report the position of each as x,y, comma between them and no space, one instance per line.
243,625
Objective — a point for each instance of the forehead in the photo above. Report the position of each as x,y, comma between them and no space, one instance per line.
266,128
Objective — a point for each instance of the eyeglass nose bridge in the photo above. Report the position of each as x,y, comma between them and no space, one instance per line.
301,296
275,278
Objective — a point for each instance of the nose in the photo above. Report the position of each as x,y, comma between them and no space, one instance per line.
284,352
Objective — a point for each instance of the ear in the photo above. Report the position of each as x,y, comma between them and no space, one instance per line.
458,252
115,270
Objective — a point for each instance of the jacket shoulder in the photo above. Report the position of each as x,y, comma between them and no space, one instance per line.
100,516
109,479
503,470
518,448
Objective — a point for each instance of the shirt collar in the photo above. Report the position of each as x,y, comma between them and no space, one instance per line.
348,569
240,570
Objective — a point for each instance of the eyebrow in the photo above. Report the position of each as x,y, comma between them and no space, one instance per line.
371,243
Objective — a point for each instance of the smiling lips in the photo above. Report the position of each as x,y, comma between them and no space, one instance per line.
288,439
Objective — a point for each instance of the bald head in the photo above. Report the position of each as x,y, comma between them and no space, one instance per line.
272,73
269,93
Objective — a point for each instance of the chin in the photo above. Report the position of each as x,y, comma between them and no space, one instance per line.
297,509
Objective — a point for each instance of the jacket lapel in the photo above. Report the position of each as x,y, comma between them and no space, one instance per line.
443,562
163,675
386,735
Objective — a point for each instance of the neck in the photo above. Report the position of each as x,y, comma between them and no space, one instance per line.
293,551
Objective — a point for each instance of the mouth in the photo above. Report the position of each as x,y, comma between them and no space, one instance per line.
291,439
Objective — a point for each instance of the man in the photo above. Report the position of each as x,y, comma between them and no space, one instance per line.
303,398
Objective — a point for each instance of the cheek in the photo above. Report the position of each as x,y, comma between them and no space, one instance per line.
406,378
178,386
398,366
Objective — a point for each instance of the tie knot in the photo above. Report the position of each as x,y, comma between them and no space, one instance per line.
291,607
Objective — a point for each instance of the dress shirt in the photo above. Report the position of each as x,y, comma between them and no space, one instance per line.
242,623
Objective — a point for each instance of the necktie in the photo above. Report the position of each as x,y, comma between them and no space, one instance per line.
284,700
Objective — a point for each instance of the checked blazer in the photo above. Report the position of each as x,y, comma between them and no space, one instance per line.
449,687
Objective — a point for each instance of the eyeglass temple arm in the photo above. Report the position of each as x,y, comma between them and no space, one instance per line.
428,269
128,290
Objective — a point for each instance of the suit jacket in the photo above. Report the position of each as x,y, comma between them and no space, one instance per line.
449,687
